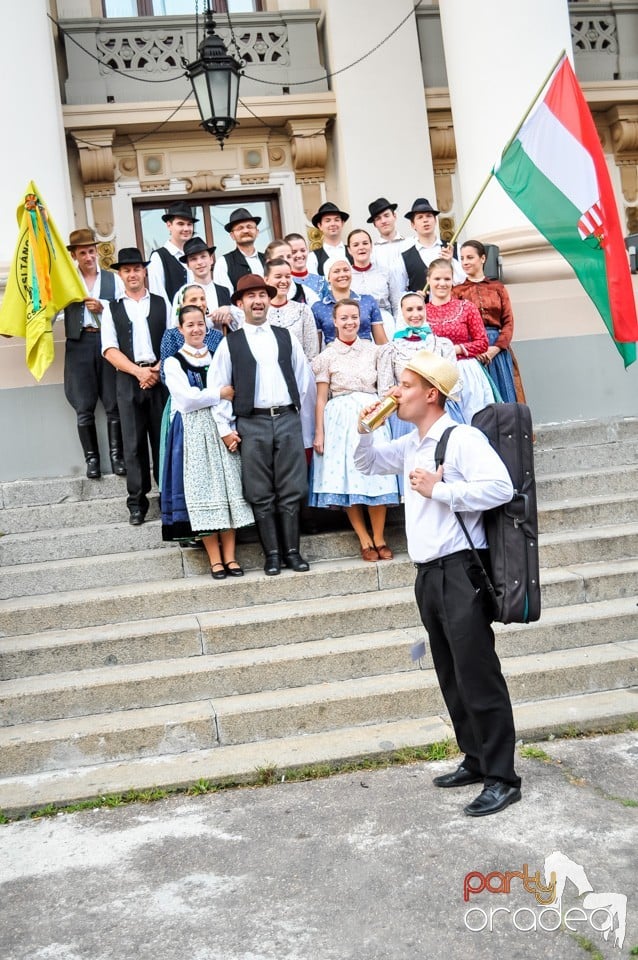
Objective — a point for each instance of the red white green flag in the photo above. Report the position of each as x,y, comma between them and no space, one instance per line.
555,172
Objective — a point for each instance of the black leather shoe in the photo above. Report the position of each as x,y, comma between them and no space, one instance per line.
461,777
272,566
218,571
494,797
117,466
136,518
235,570
294,561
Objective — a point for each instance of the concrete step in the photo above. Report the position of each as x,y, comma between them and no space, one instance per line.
345,690
599,544
609,481
584,513
51,490
579,433
71,513
193,635
535,719
567,459
561,586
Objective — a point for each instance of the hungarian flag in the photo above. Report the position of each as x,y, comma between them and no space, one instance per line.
42,280
555,171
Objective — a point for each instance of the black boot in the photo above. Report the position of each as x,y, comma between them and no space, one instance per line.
88,439
115,448
289,525
267,530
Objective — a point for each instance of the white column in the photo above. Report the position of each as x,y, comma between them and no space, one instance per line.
497,54
381,139
34,145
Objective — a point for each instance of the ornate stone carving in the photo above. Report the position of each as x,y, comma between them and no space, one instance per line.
443,158
205,182
309,149
594,34
148,186
128,165
623,131
106,254
277,156
153,51
97,166
103,216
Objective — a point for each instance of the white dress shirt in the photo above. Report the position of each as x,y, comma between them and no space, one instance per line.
220,270
476,479
270,386
156,278
137,312
387,253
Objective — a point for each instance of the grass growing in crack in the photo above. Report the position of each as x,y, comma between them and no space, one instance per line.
588,947
533,752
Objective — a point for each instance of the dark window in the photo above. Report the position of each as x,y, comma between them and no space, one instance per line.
174,8
151,233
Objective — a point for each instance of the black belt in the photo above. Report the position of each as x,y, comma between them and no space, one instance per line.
90,329
145,363
442,561
272,411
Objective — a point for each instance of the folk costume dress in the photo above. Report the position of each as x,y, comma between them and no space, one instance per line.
201,482
460,322
384,287
298,318
369,314
493,303
353,373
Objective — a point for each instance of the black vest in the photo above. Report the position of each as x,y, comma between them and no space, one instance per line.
74,313
245,364
322,256
416,269
156,320
174,272
238,265
223,296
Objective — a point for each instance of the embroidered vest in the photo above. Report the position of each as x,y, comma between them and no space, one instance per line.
74,313
124,328
245,365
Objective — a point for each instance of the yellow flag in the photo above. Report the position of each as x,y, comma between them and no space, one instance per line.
42,281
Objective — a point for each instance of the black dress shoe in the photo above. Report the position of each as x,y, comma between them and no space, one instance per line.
218,571
118,467
235,570
136,518
272,566
494,797
461,777
294,561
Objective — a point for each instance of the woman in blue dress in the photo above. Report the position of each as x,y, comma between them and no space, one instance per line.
339,278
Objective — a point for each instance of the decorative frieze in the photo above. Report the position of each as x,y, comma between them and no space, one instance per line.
443,147
308,148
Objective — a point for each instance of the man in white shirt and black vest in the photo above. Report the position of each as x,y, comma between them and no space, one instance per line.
390,244
200,260
166,272
426,247
450,587
268,371
132,330
331,221
245,258
87,376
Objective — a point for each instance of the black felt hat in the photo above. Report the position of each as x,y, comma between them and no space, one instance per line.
325,210
179,209
378,206
421,205
239,216
129,257
195,245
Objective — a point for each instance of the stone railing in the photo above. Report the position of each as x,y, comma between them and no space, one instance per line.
604,39
129,61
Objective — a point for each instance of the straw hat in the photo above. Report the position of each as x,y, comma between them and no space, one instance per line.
439,372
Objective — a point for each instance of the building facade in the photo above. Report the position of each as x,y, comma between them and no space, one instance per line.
345,100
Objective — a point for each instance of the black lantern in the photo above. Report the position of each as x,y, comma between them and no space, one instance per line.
215,81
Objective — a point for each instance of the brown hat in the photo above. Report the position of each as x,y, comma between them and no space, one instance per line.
251,281
436,370
84,237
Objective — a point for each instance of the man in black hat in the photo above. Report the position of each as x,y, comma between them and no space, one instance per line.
199,259
427,246
87,376
270,376
331,221
166,273
132,329
390,245
244,259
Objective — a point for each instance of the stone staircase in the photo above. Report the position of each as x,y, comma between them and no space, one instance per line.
123,665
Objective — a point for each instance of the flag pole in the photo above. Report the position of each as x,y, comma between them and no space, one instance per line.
507,146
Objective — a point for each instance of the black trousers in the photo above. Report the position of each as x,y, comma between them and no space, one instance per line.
88,377
274,471
141,418
454,611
